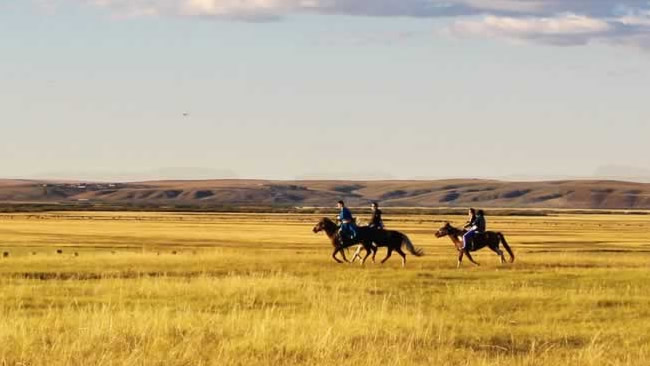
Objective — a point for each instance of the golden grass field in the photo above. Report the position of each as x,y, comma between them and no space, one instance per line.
254,289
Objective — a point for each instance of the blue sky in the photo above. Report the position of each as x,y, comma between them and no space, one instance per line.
323,88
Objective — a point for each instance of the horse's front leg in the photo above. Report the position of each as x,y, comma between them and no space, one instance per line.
460,258
390,252
336,250
343,255
469,256
367,247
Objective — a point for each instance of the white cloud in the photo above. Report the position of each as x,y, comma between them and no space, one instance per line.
230,8
516,6
564,29
416,8
565,22
641,18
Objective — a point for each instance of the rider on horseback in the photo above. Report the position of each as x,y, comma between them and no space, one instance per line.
476,225
376,222
348,229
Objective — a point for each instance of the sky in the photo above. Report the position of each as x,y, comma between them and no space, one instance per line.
345,89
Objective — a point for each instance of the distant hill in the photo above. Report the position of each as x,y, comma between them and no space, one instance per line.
621,172
569,194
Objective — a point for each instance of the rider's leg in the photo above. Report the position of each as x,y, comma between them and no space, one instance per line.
344,232
353,231
467,237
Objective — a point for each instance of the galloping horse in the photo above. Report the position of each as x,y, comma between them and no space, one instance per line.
366,236
331,229
488,239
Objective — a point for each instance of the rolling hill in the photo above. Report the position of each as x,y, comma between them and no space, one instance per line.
569,194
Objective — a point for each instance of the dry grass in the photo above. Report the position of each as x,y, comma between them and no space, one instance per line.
261,289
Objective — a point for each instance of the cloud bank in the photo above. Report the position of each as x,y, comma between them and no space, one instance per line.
566,30
558,22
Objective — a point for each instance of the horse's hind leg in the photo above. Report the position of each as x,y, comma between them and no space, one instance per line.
400,252
357,253
469,256
365,246
375,249
499,252
390,252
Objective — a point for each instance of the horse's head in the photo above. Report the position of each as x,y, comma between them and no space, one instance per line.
326,225
318,227
445,230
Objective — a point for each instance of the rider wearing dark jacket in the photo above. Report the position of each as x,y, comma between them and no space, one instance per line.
475,225
376,222
480,222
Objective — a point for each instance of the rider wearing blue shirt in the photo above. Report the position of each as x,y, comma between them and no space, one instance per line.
348,229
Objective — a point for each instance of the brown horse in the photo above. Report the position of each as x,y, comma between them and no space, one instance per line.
393,240
331,229
488,239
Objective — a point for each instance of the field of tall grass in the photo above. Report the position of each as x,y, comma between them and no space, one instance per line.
260,289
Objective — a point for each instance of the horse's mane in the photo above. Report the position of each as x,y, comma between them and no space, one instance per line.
454,230
329,224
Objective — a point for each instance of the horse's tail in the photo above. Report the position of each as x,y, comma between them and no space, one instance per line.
505,245
409,246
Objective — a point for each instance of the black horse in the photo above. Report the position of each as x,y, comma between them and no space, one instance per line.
391,239
488,239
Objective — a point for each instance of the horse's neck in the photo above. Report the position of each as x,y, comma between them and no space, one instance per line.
332,235
331,229
456,241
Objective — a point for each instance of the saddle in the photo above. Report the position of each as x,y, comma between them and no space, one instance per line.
345,240
477,238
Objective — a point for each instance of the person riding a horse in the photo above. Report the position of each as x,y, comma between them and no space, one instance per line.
476,225
472,218
348,229
376,222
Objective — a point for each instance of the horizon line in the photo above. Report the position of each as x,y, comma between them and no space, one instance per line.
514,179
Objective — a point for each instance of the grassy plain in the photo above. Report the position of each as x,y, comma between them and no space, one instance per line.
249,289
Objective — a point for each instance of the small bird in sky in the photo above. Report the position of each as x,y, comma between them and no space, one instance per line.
185,114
